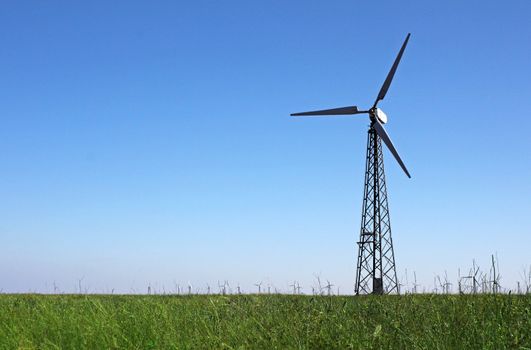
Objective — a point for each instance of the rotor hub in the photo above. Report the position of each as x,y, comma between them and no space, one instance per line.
379,114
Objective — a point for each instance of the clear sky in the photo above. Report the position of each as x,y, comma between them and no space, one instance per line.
150,142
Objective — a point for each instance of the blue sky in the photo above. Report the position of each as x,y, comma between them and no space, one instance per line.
150,142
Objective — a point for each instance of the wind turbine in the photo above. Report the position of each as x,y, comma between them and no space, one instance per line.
447,285
376,270
415,284
329,287
222,287
259,285
294,286
298,288
496,277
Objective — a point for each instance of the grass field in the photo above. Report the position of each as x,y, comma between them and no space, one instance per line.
265,322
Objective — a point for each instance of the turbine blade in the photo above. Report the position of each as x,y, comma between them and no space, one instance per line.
333,111
391,73
383,135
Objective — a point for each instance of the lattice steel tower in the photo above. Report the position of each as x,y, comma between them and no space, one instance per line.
376,271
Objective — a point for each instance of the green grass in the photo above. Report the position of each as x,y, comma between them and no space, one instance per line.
265,322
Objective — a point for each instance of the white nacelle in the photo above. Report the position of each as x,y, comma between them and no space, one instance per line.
382,117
